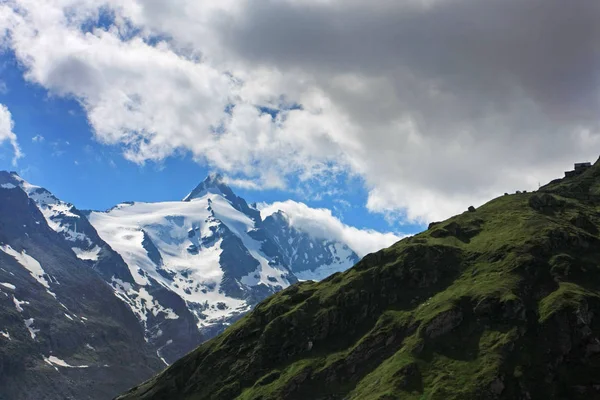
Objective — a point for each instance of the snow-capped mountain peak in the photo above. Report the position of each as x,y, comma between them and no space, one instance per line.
214,183
205,249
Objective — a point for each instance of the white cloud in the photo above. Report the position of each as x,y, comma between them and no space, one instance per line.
38,139
320,223
434,104
7,134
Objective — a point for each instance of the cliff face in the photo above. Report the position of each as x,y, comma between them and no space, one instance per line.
501,302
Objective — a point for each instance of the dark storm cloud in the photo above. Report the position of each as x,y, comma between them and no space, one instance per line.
549,49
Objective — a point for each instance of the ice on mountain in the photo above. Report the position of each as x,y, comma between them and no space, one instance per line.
8,186
8,285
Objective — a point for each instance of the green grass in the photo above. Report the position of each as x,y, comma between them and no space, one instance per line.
487,282
567,296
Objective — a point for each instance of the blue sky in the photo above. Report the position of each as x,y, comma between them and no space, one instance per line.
62,155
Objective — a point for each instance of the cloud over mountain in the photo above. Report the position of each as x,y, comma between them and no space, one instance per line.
320,223
6,132
436,104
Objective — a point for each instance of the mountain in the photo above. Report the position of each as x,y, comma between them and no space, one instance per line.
500,302
187,269
63,334
214,252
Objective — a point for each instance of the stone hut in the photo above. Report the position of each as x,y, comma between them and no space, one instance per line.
579,169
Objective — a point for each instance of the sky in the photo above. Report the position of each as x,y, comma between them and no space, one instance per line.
389,114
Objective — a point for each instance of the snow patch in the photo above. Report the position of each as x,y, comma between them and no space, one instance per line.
161,358
5,334
29,325
162,347
19,303
68,316
55,361
140,301
8,186
31,264
87,254
8,285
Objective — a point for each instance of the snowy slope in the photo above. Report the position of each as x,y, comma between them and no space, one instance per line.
191,237
62,217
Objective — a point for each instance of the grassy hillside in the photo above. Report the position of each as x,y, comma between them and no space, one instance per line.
499,302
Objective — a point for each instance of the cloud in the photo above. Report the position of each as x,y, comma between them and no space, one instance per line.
320,223
435,104
7,134
38,139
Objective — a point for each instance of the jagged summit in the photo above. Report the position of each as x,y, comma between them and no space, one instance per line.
10,176
214,183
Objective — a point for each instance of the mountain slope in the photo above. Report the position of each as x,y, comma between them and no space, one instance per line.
498,302
63,334
168,325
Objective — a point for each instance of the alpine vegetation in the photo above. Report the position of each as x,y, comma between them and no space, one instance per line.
499,302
